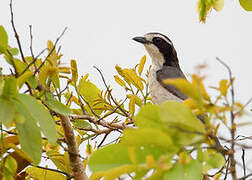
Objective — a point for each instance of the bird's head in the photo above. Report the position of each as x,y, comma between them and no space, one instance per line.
160,49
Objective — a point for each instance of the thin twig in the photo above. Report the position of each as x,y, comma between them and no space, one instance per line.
33,61
103,79
16,34
233,125
105,136
54,46
54,170
243,162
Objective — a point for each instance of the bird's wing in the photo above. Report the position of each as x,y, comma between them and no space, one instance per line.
171,72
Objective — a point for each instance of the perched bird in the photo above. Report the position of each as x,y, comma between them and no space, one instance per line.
165,65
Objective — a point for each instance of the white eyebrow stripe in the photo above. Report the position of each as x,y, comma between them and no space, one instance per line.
150,36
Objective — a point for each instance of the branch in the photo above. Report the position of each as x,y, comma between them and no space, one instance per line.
57,40
233,125
16,34
74,158
103,79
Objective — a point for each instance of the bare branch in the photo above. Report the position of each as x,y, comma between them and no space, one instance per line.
16,34
233,125
243,162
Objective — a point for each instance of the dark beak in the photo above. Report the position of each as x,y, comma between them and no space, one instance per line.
142,40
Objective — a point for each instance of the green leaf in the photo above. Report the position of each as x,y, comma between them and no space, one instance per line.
11,165
10,88
149,117
3,40
148,137
7,111
80,123
190,171
29,134
175,114
109,157
56,106
90,93
181,123
246,4
38,173
42,116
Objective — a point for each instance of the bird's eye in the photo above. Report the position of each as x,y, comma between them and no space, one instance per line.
157,40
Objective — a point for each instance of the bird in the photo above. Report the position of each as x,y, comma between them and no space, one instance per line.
165,65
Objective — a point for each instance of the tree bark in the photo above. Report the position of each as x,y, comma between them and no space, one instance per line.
76,164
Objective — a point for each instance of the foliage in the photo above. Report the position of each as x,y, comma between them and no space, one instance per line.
165,141
204,7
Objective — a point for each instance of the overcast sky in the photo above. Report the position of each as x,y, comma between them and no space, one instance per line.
100,33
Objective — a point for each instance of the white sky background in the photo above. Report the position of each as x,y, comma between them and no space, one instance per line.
100,33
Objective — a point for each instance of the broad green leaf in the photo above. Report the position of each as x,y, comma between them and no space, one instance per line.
109,157
42,115
174,114
3,40
43,174
74,70
141,65
149,117
7,111
57,106
80,123
148,137
190,171
29,133
246,4
115,172
181,123
10,88
216,160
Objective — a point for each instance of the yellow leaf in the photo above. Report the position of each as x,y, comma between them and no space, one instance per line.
138,100
197,81
121,73
132,105
74,70
133,78
119,81
187,88
46,71
224,85
22,79
190,103
150,161
141,65
65,70
218,5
